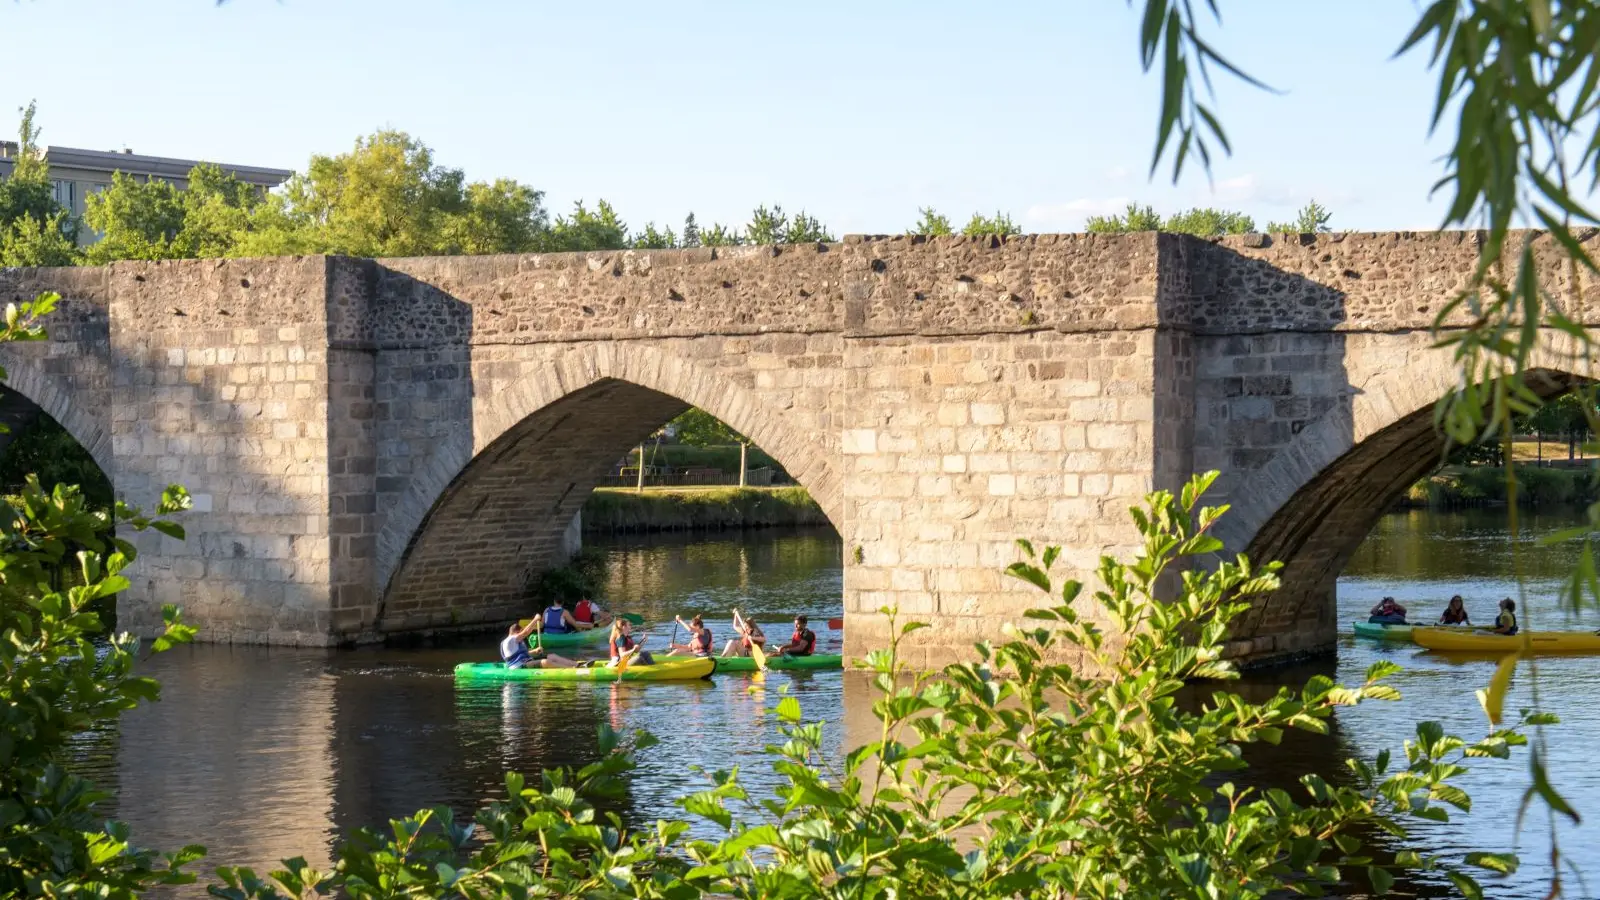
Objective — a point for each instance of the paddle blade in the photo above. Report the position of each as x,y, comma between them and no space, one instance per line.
836,624
624,661
633,618
759,655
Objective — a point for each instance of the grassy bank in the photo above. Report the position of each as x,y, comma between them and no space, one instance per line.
699,509
1461,486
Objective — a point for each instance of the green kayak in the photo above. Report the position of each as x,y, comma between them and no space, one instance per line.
686,669
578,638
781,663
1382,632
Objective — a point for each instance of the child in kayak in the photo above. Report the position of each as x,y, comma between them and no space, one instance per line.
516,653
1506,622
1388,612
1455,613
802,643
622,641
749,633
699,638
558,621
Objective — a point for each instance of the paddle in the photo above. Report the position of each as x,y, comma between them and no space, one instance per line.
538,635
836,624
624,660
756,653
633,618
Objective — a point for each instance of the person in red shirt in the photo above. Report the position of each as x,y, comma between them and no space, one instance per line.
803,642
589,611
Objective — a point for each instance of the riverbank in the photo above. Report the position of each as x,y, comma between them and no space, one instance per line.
1458,487
624,511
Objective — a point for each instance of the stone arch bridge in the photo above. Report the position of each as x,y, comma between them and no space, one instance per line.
378,446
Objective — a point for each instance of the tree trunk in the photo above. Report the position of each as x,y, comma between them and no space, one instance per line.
744,448
1539,438
639,488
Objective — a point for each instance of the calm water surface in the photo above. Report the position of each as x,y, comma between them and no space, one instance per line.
262,754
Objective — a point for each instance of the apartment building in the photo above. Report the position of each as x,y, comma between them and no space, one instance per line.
78,173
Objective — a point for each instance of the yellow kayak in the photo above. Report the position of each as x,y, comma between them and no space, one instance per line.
1488,642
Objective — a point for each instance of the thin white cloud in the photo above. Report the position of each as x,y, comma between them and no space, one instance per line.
1070,216
1118,173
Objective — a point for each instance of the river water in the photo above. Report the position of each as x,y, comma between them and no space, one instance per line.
262,753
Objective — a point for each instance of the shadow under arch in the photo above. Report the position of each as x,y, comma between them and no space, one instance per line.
474,527
1339,491
27,387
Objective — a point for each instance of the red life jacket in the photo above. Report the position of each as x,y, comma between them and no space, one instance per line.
805,636
584,611
626,642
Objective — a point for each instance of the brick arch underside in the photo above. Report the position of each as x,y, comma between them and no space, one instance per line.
25,378
1315,533
502,518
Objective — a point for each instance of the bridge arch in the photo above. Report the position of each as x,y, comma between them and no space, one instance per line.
26,376
475,524
1319,497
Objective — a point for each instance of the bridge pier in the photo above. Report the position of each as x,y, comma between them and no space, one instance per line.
400,445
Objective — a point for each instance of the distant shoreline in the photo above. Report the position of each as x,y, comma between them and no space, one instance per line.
625,511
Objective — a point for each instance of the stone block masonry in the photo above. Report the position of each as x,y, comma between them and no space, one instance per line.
401,445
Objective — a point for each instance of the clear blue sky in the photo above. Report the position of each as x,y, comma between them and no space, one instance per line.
859,112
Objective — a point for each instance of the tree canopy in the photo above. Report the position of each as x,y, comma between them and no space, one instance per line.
34,229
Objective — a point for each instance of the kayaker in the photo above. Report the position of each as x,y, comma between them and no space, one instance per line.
622,641
1455,613
558,621
1388,612
749,633
589,611
802,643
516,653
1506,622
699,638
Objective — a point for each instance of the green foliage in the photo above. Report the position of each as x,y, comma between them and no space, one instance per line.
720,236
999,225
137,220
651,239
386,197
700,509
58,679
600,229
773,226
1200,221
1313,218
46,451
1209,222
583,576
34,229
1014,776
691,231
931,224
1136,218
698,428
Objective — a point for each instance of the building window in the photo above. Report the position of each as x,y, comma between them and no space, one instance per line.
65,193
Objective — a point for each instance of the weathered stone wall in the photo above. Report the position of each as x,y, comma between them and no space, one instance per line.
222,386
380,446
